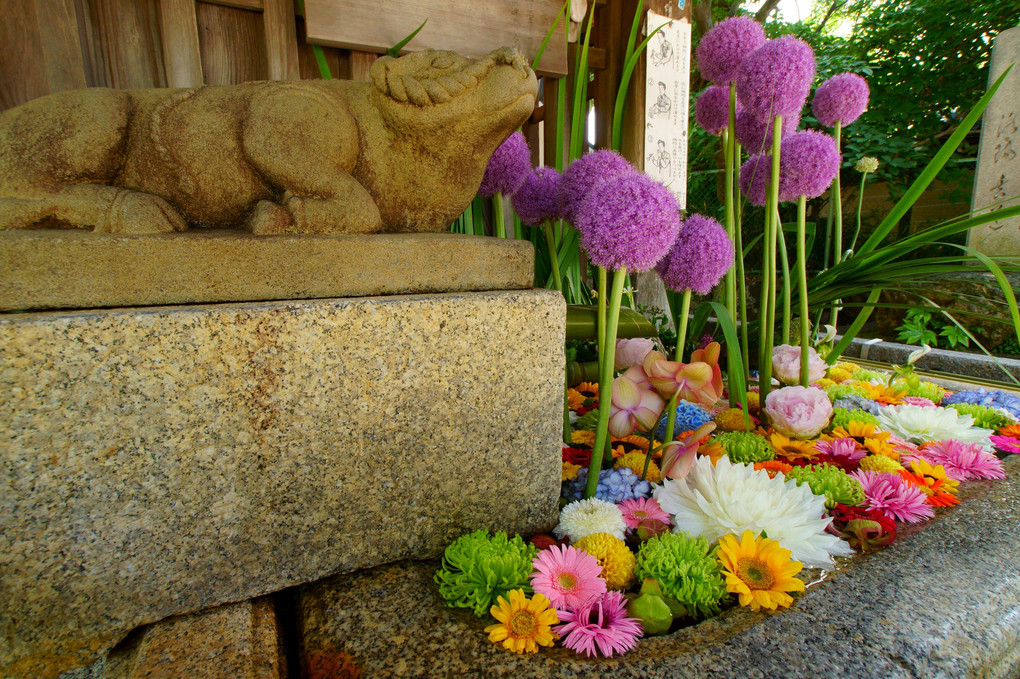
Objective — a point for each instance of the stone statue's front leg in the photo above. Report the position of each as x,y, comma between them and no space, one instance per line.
350,209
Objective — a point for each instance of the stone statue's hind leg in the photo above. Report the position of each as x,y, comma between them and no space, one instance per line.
104,209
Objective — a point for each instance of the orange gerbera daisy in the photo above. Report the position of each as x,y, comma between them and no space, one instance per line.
631,443
1011,430
575,399
792,449
887,396
773,467
933,482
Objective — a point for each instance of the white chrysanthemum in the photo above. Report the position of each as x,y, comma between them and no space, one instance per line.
920,424
585,517
731,498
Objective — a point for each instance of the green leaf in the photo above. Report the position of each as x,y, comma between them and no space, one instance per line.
854,328
736,378
395,50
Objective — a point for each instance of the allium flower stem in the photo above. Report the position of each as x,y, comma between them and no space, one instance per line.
730,222
602,295
607,352
836,207
498,215
802,282
768,320
860,202
678,356
550,240
784,260
738,258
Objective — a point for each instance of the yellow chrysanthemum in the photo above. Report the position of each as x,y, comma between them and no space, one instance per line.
792,448
759,571
880,464
583,437
881,446
570,471
732,419
613,555
754,403
635,461
837,374
524,624
881,393
824,382
575,399
847,366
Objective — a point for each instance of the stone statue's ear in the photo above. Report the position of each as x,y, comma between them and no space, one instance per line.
378,73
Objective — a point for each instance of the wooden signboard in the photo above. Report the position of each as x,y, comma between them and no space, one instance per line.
470,27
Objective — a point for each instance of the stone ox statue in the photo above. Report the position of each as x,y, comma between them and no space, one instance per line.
405,152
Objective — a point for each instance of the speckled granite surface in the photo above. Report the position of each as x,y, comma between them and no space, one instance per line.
81,270
165,460
943,601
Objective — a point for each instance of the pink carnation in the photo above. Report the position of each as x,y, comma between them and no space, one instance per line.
893,496
568,576
964,461
786,364
800,412
641,509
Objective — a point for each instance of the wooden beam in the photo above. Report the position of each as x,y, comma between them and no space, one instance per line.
61,48
179,37
253,5
281,40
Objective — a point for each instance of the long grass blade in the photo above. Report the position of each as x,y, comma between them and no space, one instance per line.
854,328
729,329
395,50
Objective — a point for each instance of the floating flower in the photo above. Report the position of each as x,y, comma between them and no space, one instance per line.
854,402
635,461
537,199
1005,444
601,626
841,447
773,467
830,481
712,109
477,569
933,482
731,498
697,381
631,352
723,49
808,162
569,471
679,455
775,79
1010,430
755,133
734,419
587,172
631,221
786,364
585,517
642,509
880,464
842,98
754,178
883,394
984,416
567,576
918,424
578,456
613,556
686,569
759,571
632,407
917,401
801,412
858,429
745,447
964,461
508,167
699,258
689,416
894,497
862,528
615,485
524,624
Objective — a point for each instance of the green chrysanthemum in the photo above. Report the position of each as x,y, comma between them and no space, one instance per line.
745,447
588,421
984,416
838,391
841,417
928,390
865,375
477,569
830,481
686,569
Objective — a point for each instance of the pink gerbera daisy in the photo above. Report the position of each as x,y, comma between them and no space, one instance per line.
641,509
894,497
963,461
568,576
1005,444
600,626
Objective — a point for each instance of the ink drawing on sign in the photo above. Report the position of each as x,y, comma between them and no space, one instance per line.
667,62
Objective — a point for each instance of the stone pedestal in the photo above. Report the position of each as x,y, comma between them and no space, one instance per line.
163,460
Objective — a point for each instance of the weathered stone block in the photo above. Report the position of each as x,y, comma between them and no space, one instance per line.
164,460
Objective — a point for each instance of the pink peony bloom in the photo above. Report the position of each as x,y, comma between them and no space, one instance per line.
641,509
568,576
844,448
800,412
895,497
600,626
632,406
631,352
964,461
786,364
1005,444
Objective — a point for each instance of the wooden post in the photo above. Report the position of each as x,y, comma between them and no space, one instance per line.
179,37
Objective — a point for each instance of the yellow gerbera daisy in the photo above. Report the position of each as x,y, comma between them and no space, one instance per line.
881,393
858,430
881,446
575,399
613,555
635,461
792,448
524,624
759,571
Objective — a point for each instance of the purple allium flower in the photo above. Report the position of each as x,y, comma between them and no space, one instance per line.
723,48
755,134
538,198
600,626
776,78
631,221
700,257
842,97
754,178
586,172
508,167
808,162
712,109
